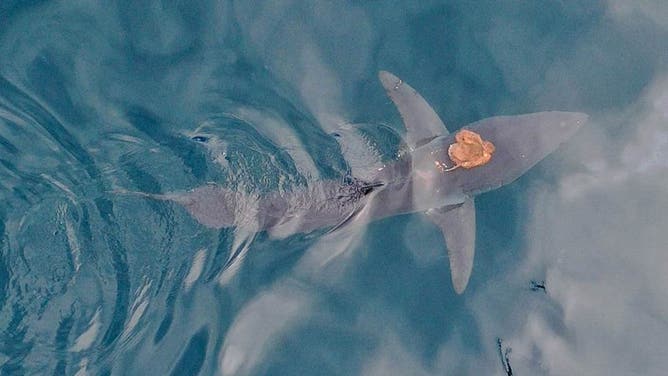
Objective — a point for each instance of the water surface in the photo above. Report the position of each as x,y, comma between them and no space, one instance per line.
99,97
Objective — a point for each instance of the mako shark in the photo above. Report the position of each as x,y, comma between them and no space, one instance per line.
434,179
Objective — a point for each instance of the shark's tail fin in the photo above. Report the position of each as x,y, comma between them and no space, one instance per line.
211,205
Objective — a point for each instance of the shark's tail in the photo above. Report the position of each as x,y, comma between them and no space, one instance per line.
211,205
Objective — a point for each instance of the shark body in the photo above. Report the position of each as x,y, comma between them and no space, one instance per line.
419,183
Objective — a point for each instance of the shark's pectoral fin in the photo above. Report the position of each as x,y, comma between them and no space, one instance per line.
422,123
458,227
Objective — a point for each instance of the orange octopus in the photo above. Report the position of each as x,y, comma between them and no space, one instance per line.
469,150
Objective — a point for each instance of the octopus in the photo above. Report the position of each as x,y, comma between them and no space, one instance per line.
469,150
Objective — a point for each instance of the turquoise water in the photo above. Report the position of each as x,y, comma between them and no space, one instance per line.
99,98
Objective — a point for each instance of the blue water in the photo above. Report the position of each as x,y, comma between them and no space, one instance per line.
97,98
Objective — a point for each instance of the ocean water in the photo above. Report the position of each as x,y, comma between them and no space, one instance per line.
100,98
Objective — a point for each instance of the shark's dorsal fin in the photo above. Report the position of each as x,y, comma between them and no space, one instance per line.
457,224
422,123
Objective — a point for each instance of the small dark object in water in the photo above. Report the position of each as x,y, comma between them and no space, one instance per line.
535,286
505,357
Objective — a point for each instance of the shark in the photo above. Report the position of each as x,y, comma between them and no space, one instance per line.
429,180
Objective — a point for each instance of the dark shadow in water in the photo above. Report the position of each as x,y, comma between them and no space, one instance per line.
19,102
166,322
62,336
13,345
4,270
120,265
222,253
193,357
182,147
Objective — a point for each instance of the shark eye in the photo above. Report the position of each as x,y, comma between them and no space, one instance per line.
200,139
